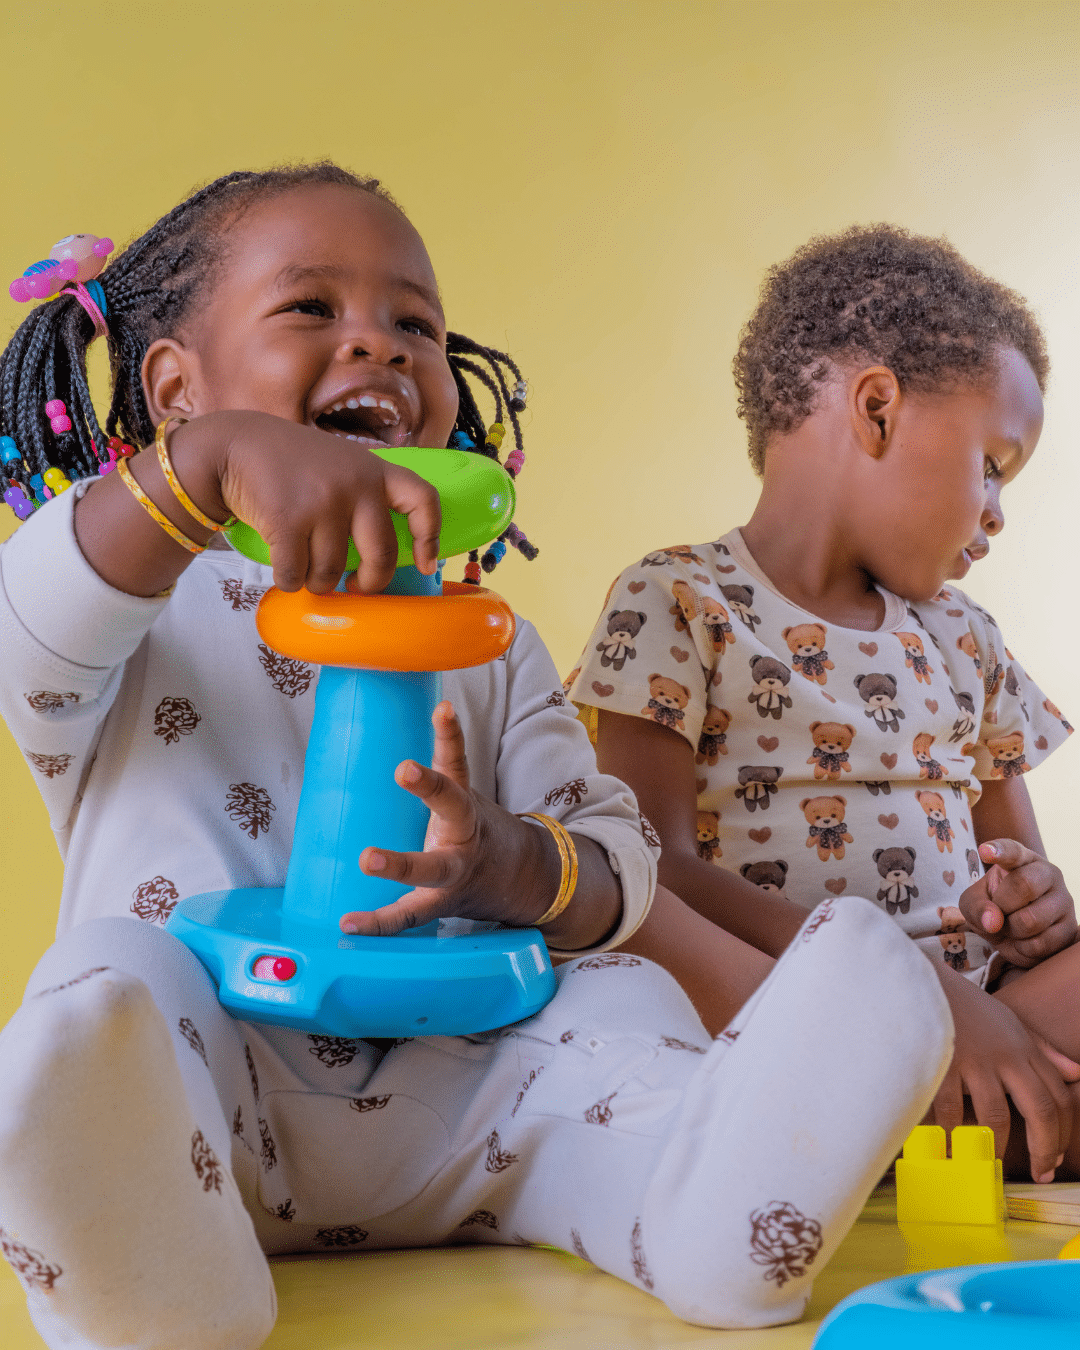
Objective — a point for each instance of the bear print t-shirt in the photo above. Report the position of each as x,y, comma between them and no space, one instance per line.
828,760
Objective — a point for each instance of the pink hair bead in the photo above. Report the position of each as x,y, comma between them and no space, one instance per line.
56,407
60,425
514,460
20,290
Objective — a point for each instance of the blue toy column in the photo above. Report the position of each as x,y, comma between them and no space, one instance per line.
366,722
278,955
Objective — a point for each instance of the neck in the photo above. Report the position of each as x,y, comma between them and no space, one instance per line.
802,531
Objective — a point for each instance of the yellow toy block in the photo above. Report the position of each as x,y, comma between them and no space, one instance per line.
1071,1250
966,1188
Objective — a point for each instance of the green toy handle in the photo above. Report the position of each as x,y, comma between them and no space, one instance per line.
477,496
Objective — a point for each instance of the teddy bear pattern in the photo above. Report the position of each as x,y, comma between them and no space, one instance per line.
827,761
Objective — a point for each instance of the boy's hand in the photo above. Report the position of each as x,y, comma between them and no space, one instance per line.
1021,905
479,861
996,1058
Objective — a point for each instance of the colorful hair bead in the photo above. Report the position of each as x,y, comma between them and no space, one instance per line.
495,554
495,435
56,480
514,461
462,441
472,570
517,403
56,412
521,543
9,451
17,499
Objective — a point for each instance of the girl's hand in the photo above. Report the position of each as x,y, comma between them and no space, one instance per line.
996,1058
479,861
1021,905
305,491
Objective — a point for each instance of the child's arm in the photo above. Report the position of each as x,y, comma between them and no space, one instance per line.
658,765
304,490
1022,904
482,862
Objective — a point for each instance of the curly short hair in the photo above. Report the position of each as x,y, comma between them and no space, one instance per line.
879,294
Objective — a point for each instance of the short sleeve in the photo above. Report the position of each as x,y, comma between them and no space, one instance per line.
1020,725
649,654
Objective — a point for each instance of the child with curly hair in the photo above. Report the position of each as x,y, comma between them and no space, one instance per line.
152,1148
811,706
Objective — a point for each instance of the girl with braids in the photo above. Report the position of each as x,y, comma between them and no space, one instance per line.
152,1148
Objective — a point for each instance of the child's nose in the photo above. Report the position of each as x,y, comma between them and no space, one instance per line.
372,342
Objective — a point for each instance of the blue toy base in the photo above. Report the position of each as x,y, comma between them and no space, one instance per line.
356,986
1018,1304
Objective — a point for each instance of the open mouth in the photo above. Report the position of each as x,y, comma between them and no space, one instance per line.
369,419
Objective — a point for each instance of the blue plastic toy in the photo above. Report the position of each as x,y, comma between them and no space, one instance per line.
278,955
998,1307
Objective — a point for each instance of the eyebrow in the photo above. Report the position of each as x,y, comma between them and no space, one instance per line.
297,273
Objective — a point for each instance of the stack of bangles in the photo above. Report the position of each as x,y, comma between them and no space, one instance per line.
569,860
177,491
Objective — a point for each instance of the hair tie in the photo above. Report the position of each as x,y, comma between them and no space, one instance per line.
78,258
95,307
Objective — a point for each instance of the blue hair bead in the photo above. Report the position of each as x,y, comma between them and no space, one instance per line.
46,265
498,548
463,442
9,451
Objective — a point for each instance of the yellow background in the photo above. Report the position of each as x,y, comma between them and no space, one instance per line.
601,186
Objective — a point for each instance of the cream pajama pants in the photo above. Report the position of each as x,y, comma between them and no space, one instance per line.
718,1175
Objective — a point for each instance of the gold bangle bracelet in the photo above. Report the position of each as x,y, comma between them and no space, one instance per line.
174,482
148,506
569,860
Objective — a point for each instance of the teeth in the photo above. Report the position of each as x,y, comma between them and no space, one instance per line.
369,402
352,403
385,403
337,407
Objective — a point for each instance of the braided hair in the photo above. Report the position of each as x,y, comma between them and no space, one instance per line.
149,289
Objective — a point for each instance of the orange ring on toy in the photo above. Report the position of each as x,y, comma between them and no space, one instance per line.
465,626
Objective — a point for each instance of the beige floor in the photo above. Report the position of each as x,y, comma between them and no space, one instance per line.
488,1298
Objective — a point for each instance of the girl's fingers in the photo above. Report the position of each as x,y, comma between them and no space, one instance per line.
327,556
449,757
438,869
376,542
418,502
410,911
451,803
289,559
1029,952
979,909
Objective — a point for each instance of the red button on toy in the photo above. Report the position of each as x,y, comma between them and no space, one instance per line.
273,968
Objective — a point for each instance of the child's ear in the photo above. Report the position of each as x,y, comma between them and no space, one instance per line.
874,402
168,380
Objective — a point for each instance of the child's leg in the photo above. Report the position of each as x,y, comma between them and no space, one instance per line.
719,1175
1044,998
118,1207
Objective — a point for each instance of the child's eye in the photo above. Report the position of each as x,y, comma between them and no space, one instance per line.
991,469
420,327
309,305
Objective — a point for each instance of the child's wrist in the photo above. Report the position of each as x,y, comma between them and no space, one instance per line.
196,449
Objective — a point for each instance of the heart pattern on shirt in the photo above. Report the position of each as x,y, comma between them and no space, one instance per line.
889,761
729,568
1041,743
955,613
768,743
603,690
636,587
680,655
836,885
932,704
890,821
868,648
948,878
761,836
